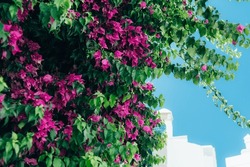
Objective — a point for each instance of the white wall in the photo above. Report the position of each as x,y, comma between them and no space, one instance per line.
181,153
242,160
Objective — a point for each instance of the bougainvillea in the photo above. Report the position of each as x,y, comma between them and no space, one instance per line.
74,87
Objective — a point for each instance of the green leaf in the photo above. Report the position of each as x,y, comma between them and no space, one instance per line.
8,147
18,3
16,148
7,155
191,51
161,100
21,124
13,11
14,136
196,81
1,28
8,152
65,4
39,111
106,103
52,134
105,133
116,3
112,100
82,164
34,2
41,157
48,161
202,30
126,97
67,161
246,31
68,22
29,140
57,162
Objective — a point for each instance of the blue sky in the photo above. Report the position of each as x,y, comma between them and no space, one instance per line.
195,114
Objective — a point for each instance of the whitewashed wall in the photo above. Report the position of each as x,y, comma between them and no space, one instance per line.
242,160
180,152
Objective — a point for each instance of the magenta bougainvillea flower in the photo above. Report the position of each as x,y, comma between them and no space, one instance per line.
137,157
102,43
134,135
111,13
7,27
148,130
240,28
4,55
190,13
129,124
206,21
30,161
122,111
118,54
117,159
51,20
184,2
95,118
37,58
151,10
96,7
234,42
98,55
2,96
204,67
48,78
105,64
141,122
15,36
43,95
33,46
68,132
148,86
143,5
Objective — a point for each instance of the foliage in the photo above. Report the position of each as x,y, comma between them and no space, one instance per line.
74,88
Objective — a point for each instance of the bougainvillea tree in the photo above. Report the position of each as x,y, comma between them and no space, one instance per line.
73,85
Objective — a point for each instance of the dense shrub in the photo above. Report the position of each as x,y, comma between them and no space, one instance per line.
74,89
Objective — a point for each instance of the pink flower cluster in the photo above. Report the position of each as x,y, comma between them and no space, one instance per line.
72,14
23,12
32,87
56,93
148,86
190,13
131,131
128,42
204,67
240,28
95,118
99,62
143,5
65,93
14,38
46,125
2,96
122,110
